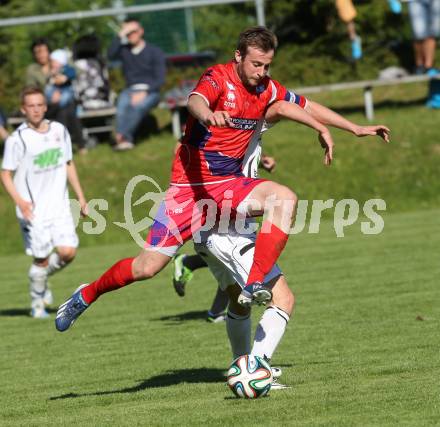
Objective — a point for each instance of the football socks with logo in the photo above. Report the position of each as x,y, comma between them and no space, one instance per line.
269,332
55,263
117,276
268,248
239,333
37,282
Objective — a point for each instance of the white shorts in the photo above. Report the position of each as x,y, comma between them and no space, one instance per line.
41,238
230,257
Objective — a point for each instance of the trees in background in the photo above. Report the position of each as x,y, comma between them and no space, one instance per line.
313,42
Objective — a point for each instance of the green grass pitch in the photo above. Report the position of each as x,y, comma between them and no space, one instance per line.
361,349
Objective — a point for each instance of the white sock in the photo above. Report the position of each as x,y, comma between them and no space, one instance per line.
37,282
269,332
55,263
239,333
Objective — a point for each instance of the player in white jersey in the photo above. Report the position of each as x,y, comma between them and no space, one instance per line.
37,164
229,255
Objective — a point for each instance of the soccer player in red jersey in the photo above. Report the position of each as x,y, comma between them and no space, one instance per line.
207,181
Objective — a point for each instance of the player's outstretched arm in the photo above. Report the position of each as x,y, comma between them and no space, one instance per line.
331,118
198,108
287,110
72,177
24,206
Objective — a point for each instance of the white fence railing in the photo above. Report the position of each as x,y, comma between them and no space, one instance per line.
367,86
114,11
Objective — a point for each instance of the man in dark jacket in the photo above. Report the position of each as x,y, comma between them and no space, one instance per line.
144,70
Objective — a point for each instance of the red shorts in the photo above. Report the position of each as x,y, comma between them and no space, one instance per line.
186,209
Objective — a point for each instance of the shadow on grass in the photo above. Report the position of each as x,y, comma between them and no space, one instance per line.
169,378
181,317
21,312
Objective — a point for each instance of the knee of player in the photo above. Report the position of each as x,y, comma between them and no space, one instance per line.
284,299
287,194
287,200
290,301
148,263
67,255
143,271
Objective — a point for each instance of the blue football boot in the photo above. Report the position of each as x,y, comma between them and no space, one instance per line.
70,310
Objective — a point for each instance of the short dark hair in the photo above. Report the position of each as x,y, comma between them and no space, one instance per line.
132,19
30,90
258,37
42,41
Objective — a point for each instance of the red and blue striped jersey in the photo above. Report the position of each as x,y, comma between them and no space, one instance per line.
212,154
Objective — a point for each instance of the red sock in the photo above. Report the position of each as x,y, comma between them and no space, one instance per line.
268,248
115,277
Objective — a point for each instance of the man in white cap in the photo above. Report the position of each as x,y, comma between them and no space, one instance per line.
59,90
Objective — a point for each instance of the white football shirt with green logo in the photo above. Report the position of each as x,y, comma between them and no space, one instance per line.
39,161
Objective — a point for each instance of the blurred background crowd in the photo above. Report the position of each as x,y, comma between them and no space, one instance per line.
128,65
